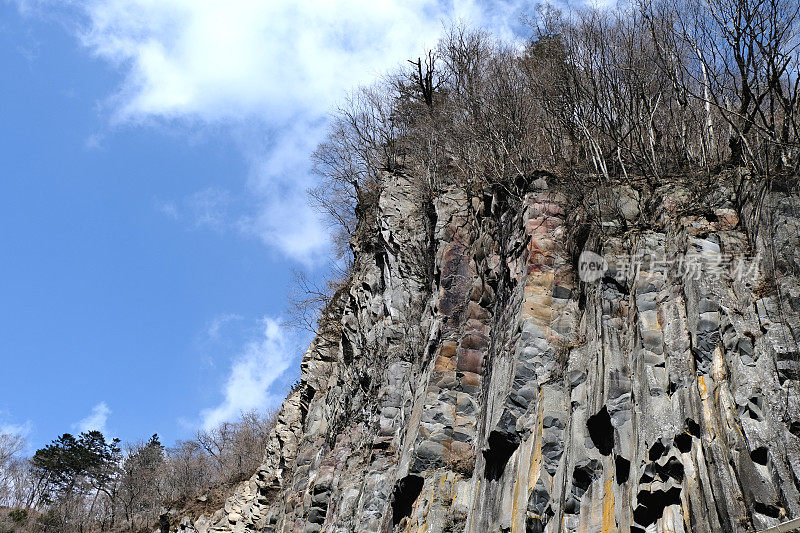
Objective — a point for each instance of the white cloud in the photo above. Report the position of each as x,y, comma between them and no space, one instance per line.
255,369
278,180
218,321
17,432
23,430
96,420
9,427
215,59
262,70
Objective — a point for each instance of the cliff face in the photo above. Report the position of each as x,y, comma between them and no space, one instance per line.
468,380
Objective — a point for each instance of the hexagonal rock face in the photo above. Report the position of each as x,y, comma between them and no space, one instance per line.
468,380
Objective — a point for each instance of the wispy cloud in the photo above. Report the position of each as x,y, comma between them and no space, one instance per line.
208,208
168,209
93,141
261,362
96,420
218,322
278,179
23,430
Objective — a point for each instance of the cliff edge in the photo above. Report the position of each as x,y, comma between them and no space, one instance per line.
478,374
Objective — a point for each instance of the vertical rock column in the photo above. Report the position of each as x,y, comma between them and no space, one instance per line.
525,413
446,428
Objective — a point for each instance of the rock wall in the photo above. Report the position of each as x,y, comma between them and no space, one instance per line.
468,380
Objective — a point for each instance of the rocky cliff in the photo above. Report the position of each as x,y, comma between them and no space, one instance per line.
468,379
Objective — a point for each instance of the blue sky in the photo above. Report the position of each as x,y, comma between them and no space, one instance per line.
153,162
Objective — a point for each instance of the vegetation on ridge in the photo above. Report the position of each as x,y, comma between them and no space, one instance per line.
650,89
87,483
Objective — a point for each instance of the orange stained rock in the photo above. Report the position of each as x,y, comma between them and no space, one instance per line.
533,476
448,349
443,364
463,422
536,460
609,524
701,385
707,408
538,291
718,365
542,313
687,518
544,300
458,447
514,507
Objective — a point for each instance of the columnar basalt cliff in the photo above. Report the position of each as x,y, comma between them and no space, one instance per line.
467,379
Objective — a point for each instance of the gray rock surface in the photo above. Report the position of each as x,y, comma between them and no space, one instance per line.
467,380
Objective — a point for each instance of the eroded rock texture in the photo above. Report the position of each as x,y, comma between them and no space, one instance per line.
469,381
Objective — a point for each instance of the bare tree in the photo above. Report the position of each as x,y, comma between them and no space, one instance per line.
10,447
237,447
743,68
140,483
424,78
